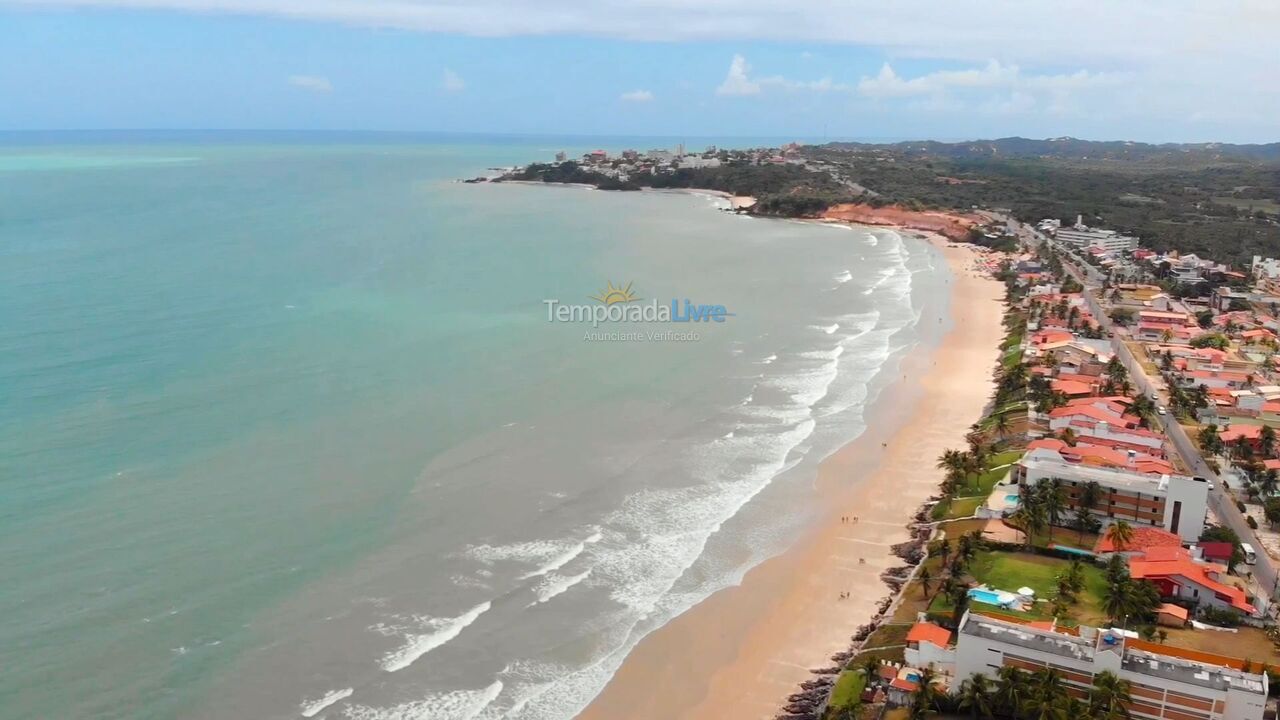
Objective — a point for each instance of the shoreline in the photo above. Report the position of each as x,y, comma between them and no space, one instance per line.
742,651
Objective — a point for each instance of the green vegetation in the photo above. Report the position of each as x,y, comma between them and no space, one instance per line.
783,190
1216,201
847,693
1009,571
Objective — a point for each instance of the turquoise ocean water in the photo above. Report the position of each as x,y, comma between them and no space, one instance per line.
284,430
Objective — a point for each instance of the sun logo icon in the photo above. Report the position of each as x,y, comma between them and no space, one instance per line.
611,295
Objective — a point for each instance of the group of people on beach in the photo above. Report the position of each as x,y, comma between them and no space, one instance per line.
848,518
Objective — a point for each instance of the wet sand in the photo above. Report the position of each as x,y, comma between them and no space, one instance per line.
742,651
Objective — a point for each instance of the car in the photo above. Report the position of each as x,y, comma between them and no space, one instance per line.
1160,410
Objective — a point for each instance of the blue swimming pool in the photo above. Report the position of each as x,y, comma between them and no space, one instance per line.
1073,551
985,596
1011,499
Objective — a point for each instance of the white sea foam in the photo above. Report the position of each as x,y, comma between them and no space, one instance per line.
440,631
769,360
555,585
828,329
311,708
453,705
844,277
549,555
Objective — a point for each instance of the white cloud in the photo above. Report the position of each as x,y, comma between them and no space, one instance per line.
993,88
314,83
1167,50
636,96
451,82
737,82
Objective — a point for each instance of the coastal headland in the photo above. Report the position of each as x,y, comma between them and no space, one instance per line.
952,225
741,652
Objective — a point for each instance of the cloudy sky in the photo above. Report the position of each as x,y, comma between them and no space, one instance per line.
1167,70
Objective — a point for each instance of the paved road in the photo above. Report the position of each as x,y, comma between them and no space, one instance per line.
1222,504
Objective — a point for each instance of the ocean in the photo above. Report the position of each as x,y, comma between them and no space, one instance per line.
287,432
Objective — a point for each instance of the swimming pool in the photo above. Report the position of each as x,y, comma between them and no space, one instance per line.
1012,499
1073,551
985,596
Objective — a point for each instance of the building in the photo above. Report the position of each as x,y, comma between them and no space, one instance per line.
1165,682
929,645
1176,503
1178,575
1084,237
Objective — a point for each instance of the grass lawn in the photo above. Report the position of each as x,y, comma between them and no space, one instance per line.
887,635
1010,571
1011,358
890,655
997,470
848,689
964,507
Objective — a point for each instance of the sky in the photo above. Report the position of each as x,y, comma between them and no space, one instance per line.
1157,71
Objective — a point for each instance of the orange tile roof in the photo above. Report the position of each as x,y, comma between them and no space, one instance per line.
1089,411
1144,539
1071,387
1174,610
930,633
1174,564
1248,432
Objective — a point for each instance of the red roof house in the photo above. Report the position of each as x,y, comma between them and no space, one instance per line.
1176,574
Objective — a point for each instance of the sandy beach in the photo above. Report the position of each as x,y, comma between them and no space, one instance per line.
743,650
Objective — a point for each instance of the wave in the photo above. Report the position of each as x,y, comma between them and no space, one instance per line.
417,645
769,360
551,555
313,708
844,277
558,585
453,705
828,329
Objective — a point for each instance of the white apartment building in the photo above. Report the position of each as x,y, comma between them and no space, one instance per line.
1176,503
1084,237
1265,267
1163,685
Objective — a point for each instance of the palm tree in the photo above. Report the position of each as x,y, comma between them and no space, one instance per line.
924,582
1120,534
1053,496
926,700
1011,690
976,696
1033,517
1267,441
1116,602
980,451
1109,696
1269,482
1001,424
1090,495
953,461
1047,699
